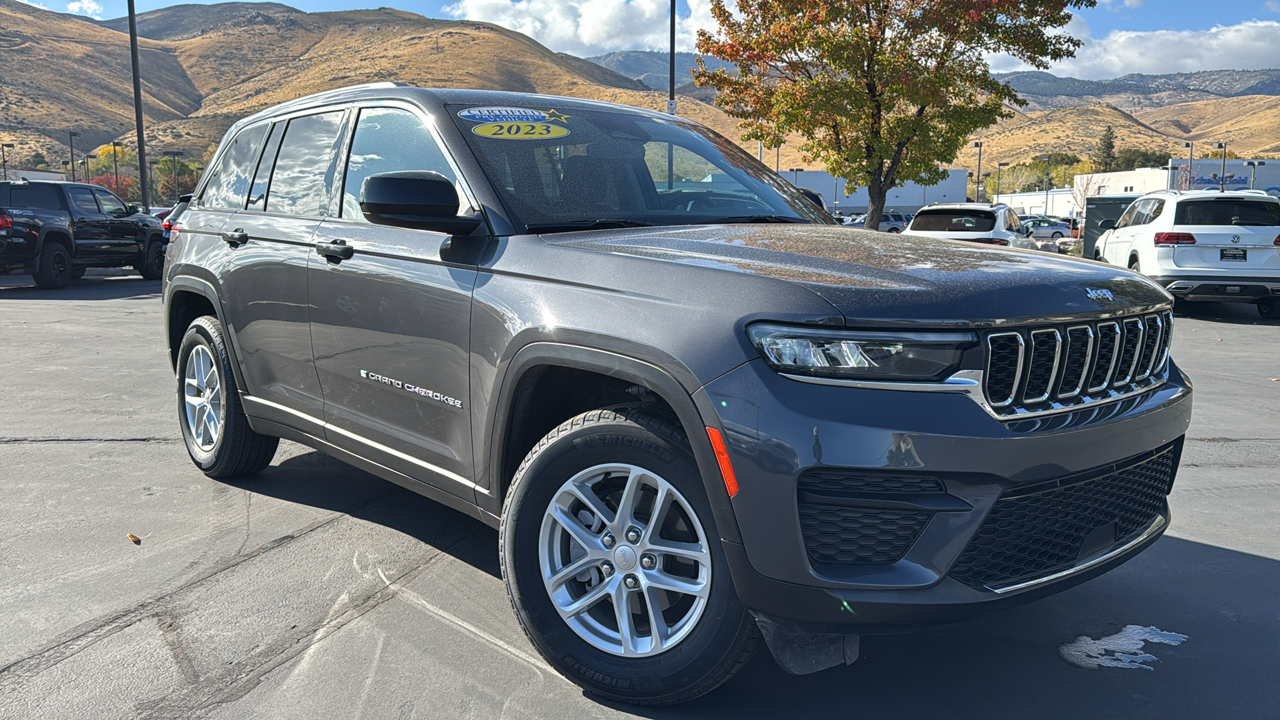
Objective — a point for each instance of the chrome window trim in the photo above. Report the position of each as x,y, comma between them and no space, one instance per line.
1137,352
1053,371
1087,364
1017,376
1152,529
1115,357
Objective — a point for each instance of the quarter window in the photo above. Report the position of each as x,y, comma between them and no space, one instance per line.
34,197
303,172
229,179
389,140
262,176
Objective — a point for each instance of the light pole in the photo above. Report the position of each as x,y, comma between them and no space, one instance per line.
173,163
4,159
777,157
999,166
1222,176
84,165
1048,178
795,175
977,193
151,176
71,141
115,161
65,163
1253,166
137,106
1191,162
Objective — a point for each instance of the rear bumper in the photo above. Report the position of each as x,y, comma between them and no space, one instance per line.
1220,288
777,430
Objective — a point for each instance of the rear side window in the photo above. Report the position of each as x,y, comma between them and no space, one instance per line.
31,197
954,221
388,140
228,184
1228,211
82,200
303,174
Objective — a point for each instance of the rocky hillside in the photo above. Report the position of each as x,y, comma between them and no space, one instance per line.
1044,91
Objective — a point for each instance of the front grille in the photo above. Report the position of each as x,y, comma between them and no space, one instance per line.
1036,531
849,536
1040,369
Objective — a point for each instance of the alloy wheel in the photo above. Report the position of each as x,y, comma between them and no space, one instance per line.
202,392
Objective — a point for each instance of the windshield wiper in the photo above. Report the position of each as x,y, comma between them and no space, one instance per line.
572,225
755,219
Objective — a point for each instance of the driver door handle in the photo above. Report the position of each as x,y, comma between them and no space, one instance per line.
236,237
335,250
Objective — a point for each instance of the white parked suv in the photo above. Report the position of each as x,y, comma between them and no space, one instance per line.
1202,245
975,222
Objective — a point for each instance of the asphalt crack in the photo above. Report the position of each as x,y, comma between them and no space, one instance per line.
25,440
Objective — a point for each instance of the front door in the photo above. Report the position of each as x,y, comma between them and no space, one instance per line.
390,324
123,247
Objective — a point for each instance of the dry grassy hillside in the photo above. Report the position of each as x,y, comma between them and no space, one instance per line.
1248,124
1068,130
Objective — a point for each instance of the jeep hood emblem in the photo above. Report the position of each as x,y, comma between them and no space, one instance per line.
1099,294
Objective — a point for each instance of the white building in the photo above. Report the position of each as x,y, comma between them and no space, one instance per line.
1061,202
1181,174
908,197
30,174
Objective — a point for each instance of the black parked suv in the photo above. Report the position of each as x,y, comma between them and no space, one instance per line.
699,411
57,230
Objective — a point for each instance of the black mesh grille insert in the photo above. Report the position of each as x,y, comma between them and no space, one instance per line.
1073,364
1032,533
849,536
1128,352
1150,343
1003,367
1105,355
1044,354
841,481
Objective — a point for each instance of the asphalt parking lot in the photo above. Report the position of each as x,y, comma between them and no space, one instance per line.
315,590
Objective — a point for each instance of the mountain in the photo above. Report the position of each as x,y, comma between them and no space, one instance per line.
205,66
654,68
1248,123
1065,130
1044,91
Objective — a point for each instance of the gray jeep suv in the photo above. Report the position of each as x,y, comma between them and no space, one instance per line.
699,412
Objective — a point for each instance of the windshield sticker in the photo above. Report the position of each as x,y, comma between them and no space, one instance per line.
503,115
520,131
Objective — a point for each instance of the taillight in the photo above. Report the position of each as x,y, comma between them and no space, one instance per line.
1276,241
6,223
1164,239
992,241
167,224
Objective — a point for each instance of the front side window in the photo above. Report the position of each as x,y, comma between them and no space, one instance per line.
389,140
958,220
561,168
229,179
111,204
304,167
1130,215
1227,211
82,200
1012,223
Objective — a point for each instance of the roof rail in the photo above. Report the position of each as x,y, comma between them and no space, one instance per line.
1252,192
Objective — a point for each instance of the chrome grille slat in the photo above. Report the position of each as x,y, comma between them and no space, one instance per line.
1037,371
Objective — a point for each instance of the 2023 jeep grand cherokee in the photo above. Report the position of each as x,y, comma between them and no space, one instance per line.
697,409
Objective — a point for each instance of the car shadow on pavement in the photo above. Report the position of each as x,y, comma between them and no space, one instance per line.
1231,313
90,287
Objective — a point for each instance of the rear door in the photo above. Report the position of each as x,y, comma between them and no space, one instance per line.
1233,235
266,277
391,323
90,225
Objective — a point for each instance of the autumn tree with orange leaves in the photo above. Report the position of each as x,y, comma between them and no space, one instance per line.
883,91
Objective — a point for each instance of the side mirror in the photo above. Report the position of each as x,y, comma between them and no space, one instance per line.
1108,224
134,209
815,197
423,200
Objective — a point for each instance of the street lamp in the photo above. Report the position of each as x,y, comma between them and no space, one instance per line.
1253,166
977,193
1048,178
1222,176
173,163
998,167
4,159
71,141
151,178
795,175
65,163
137,106
115,161
1191,162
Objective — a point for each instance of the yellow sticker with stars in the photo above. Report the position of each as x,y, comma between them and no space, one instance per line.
520,131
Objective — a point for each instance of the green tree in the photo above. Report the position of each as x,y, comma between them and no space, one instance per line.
103,165
882,91
1104,154
1217,155
1134,158
36,161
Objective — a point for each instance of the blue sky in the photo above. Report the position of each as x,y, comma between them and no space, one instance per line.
1121,36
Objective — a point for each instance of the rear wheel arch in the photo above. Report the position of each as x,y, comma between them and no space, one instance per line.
187,298
540,370
60,237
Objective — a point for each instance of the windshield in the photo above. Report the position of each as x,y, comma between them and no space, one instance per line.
1228,211
577,169
954,221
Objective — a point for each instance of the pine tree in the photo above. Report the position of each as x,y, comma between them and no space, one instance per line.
1104,155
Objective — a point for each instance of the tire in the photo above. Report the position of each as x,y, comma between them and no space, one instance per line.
894,230
230,448
1134,265
53,271
77,272
1269,308
711,636
152,265
1056,236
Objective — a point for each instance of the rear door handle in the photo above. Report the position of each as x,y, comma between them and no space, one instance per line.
236,237
336,250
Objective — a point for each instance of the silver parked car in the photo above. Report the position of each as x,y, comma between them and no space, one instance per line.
890,222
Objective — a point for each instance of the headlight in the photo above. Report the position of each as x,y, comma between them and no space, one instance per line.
857,355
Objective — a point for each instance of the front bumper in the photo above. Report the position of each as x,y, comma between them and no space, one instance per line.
1220,288
779,430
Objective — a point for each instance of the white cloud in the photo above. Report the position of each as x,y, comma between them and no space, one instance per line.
1116,5
92,8
1250,45
1272,5
591,27
33,3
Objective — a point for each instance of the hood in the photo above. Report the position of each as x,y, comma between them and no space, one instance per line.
881,278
